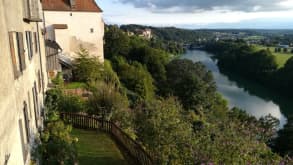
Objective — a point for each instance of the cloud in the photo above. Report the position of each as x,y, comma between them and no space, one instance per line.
187,6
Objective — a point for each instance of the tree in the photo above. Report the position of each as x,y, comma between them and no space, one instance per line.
136,79
117,42
285,50
86,68
163,130
284,142
191,83
154,59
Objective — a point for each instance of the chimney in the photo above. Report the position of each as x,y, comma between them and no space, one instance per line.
72,3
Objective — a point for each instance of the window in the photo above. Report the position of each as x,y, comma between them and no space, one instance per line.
36,38
23,144
36,104
92,30
29,44
29,104
39,81
31,11
17,53
26,122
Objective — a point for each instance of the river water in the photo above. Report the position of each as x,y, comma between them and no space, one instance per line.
255,99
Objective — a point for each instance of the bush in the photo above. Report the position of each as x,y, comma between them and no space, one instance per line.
106,100
57,146
57,101
58,80
72,104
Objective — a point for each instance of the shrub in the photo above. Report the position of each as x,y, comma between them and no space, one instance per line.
57,101
57,146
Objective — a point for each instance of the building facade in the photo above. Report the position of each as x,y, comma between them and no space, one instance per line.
23,79
76,23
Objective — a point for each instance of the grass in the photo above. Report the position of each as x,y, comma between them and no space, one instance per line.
74,85
281,57
254,38
97,149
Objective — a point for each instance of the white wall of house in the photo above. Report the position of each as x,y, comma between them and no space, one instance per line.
79,31
14,92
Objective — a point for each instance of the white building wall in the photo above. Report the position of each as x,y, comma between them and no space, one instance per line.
78,32
13,92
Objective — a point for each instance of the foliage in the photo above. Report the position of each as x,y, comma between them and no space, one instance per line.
154,59
58,80
260,66
284,142
56,101
136,79
202,129
191,83
162,128
71,103
284,77
173,34
264,129
230,142
281,57
117,42
86,67
106,100
57,145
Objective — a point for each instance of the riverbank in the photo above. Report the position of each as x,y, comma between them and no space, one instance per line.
259,66
250,96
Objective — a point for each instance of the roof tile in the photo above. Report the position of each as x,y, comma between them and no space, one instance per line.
64,5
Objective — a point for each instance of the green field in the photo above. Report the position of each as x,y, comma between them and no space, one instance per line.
254,38
281,57
97,149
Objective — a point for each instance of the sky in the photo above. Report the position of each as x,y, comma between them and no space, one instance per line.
198,14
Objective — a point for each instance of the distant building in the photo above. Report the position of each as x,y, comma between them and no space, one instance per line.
73,24
283,46
145,33
23,79
129,33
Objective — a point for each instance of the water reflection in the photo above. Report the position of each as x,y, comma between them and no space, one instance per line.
236,95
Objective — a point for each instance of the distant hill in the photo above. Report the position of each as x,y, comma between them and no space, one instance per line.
194,36
172,33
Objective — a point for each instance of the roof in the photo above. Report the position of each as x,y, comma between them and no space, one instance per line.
64,5
64,60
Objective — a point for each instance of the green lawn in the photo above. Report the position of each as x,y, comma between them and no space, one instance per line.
97,149
74,85
281,57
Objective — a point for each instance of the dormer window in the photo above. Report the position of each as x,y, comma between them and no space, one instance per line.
31,11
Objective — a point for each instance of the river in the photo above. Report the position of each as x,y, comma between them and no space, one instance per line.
249,96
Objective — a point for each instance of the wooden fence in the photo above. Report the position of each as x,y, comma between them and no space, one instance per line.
133,148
